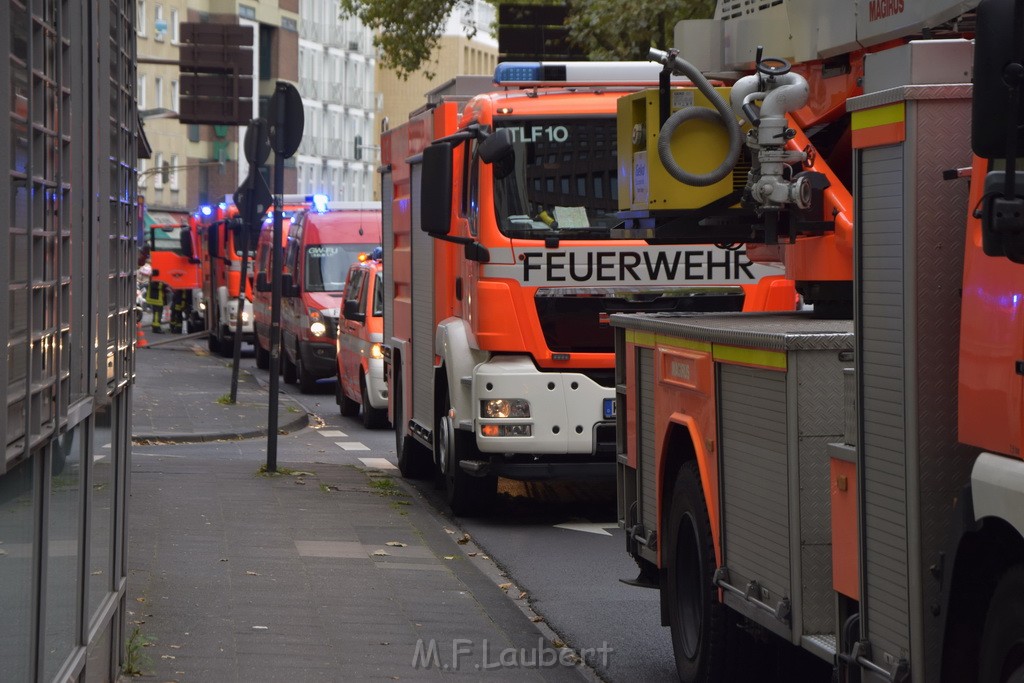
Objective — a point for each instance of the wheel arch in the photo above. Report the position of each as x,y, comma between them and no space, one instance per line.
454,344
683,442
983,551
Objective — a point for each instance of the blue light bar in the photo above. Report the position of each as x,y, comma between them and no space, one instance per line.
320,202
517,72
580,74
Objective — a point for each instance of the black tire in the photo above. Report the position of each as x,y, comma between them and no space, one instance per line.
307,382
226,344
212,343
288,369
467,496
697,619
346,406
373,418
262,356
414,460
1001,658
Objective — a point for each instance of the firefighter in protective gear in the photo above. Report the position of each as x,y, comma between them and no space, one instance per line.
156,298
179,305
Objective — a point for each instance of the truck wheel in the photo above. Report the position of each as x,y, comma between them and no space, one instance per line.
212,343
373,418
1002,640
467,496
346,406
413,459
696,617
262,356
288,368
307,382
226,343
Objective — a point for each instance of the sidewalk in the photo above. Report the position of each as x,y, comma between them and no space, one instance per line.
181,394
328,572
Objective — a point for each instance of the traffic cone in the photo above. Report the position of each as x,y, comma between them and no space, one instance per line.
140,336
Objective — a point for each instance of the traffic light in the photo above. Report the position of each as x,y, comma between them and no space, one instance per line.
358,152
216,64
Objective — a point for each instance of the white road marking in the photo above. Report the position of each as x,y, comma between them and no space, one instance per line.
352,446
332,433
378,463
588,527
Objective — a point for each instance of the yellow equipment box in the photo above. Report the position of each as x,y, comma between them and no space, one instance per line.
698,147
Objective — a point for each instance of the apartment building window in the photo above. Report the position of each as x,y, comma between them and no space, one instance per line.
175,31
158,180
140,17
175,95
159,25
140,92
173,177
158,87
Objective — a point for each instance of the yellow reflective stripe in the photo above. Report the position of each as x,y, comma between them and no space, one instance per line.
738,354
651,339
878,116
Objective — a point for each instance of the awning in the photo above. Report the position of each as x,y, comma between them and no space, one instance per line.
165,218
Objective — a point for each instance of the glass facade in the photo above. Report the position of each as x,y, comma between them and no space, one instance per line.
67,322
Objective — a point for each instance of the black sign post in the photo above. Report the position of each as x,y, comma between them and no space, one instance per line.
286,124
252,199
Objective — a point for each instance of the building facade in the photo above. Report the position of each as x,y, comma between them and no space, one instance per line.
193,164
456,55
67,322
337,60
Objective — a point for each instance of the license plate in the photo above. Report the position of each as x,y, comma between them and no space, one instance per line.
609,408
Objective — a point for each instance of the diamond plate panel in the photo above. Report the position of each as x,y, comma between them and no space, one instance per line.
817,595
939,215
769,331
820,393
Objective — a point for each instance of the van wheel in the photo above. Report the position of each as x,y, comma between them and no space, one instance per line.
413,459
467,496
288,369
1002,640
262,356
346,406
373,418
307,382
697,619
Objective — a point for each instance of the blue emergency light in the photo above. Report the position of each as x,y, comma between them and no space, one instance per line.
206,210
320,202
580,73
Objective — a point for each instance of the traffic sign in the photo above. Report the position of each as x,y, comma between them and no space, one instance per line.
286,119
216,64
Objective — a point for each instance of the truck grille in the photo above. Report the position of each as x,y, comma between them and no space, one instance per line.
576,320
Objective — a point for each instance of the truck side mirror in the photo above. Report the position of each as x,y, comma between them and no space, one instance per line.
351,311
498,151
436,189
289,287
262,284
185,238
998,72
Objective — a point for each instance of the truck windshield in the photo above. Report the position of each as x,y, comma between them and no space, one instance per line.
326,265
562,181
166,239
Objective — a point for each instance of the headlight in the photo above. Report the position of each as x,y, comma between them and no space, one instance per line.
375,351
318,329
505,407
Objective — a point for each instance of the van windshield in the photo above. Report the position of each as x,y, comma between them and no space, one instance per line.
562,180
327,264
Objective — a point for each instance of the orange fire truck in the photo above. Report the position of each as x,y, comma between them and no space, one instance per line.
852,487
176,259
217,230
502,263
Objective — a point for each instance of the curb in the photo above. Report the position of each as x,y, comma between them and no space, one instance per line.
300,421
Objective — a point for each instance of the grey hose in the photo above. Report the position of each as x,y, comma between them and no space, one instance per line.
724,115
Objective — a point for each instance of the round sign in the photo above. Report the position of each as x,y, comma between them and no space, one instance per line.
286,119
257,143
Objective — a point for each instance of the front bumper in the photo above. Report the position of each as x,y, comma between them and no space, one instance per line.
376,386
566,410
319,359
